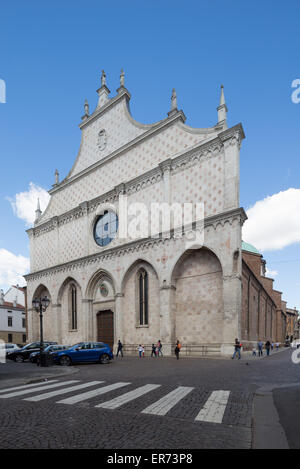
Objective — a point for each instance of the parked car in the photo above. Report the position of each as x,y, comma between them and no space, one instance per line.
84,352
5,349
34,356
9,347
23,354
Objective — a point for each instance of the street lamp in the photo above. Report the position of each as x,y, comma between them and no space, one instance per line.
40,305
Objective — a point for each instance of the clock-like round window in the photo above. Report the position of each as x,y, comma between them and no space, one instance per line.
103,289
106,228
102,138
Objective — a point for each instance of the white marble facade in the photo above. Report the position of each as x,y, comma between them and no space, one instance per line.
194,292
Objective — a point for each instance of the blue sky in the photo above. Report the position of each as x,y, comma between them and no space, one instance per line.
52,54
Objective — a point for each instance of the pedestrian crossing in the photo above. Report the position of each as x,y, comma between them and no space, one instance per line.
211,410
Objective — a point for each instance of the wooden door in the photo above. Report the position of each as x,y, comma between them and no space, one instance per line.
105,326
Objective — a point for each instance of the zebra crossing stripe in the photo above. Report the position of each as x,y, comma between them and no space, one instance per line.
166,403
28,385
127,397
88,395
214,407
39,388
47,395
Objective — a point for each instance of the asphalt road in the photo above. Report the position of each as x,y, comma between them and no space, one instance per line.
152,403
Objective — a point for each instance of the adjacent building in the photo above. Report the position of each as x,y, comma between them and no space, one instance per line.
264,313
13,318
292,324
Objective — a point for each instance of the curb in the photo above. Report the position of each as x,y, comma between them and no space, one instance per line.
267,432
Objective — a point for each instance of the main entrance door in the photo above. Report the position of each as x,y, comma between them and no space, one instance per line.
105,327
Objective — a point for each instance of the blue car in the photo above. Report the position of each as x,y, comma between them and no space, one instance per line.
84,352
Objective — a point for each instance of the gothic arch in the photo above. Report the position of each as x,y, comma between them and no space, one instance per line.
64,285
98,276
138,263
33,316
39,292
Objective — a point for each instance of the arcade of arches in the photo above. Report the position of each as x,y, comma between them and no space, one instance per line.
195,313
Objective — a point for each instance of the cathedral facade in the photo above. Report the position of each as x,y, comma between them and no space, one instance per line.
107,285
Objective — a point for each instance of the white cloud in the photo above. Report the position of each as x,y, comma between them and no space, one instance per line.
271,273
274,222
12,269
25,203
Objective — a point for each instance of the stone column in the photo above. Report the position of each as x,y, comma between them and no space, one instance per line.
232,298
118,319
167,317
57,323
87,314
231,170
165,168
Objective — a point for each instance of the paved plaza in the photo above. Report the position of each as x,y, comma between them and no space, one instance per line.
152,403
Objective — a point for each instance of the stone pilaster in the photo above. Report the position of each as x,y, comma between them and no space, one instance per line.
87,314
165,168
118,318
167,319
57,326
232,298
231,170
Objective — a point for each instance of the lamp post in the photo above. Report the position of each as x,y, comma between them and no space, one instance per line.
40,305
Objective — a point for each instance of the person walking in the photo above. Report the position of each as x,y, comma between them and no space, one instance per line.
153,351
277,346
141,351
177,349
120,348
254,352
260,348
267,346
159,348
237,349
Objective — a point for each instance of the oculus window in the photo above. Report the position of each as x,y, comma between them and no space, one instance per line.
106,228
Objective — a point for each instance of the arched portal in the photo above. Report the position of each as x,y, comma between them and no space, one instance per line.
105,327
198,308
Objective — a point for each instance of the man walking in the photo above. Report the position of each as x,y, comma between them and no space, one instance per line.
120,348
237,349
268,345
260,348
153,351
177,349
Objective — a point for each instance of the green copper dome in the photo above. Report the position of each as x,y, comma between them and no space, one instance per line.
249,247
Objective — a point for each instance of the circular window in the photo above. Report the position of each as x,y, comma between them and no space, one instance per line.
103,289
106,228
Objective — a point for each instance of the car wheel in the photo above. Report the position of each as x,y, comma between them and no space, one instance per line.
19,358
65,360
104,359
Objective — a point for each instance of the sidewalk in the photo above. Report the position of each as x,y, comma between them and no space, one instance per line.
15,374
248,354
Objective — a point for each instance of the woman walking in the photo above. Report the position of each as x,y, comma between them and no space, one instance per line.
159,347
